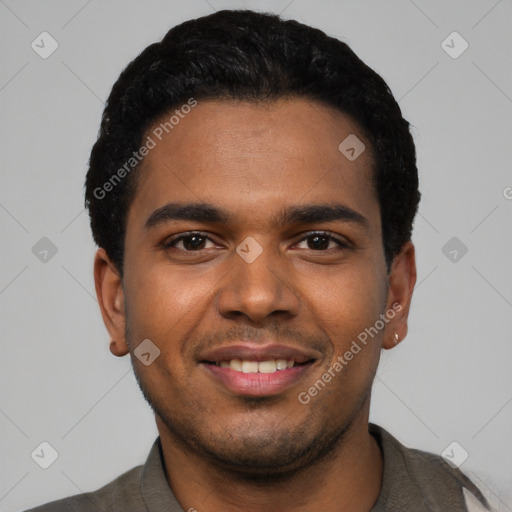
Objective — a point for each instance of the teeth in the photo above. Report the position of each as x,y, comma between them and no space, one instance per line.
235,364
267,366
281,364
270,366
250,366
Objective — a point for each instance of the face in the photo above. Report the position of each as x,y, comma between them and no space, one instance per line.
253,261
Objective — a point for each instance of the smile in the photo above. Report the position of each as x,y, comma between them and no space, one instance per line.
257,370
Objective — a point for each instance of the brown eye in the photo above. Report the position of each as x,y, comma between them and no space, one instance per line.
318,242
190,242
321,242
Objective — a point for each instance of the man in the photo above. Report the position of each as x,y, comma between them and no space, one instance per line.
252,191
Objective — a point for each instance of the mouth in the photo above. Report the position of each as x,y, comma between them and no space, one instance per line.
257,370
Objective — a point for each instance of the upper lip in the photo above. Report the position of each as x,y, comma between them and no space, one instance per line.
257,352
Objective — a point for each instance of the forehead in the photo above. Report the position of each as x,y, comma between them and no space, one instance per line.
255,158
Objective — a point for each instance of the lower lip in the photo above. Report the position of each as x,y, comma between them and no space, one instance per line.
257,384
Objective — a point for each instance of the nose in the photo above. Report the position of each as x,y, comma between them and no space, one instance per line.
258,288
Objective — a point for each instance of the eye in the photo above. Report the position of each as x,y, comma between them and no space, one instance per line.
196,241
321,241
191,242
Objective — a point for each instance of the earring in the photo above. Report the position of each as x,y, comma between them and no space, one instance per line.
397,339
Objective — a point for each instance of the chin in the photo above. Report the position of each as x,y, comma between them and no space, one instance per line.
260,453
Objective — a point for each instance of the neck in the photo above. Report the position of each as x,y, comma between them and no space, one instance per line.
350,478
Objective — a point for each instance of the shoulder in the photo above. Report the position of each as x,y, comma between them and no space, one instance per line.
123,491
423,477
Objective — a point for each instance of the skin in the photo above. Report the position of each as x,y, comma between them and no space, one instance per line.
227,452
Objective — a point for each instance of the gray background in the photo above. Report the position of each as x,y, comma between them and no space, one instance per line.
450,380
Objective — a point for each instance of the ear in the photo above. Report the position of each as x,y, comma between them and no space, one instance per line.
402,278
109,290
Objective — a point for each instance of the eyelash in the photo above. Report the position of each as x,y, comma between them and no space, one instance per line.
341,244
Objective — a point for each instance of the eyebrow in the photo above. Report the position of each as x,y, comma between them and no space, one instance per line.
301,214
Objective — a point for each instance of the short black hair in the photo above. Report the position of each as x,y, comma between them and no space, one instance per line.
257,57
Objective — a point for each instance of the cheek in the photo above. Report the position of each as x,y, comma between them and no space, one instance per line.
348,296
167,307
162,303
164,307
349,302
